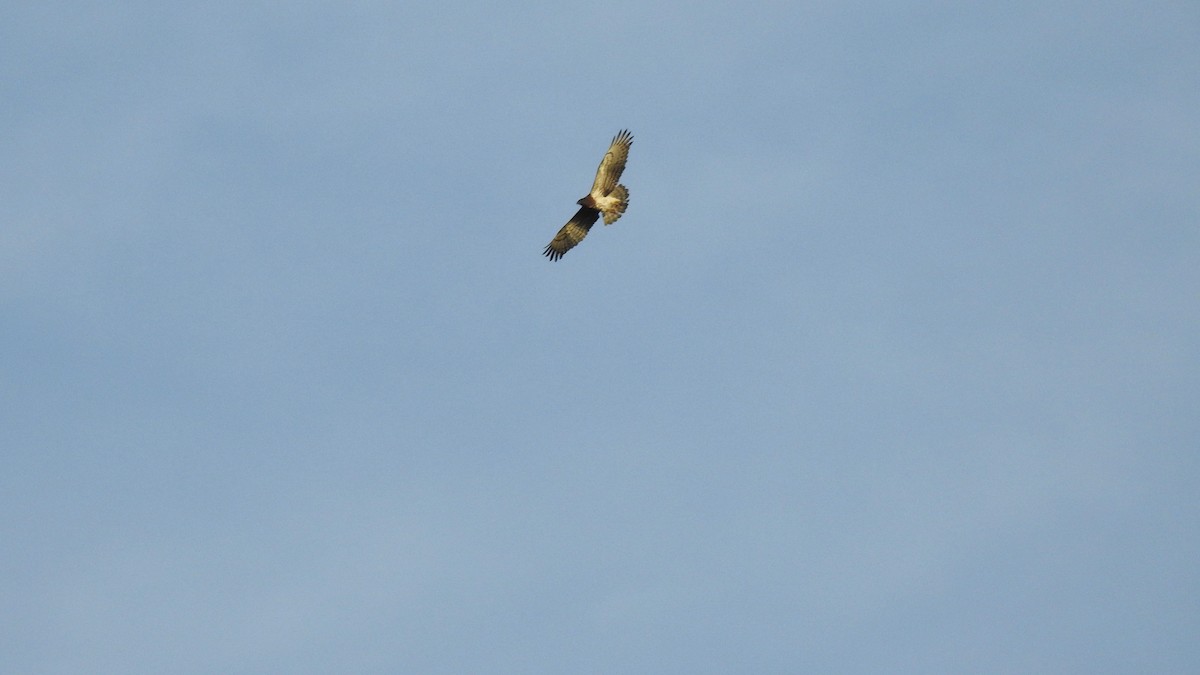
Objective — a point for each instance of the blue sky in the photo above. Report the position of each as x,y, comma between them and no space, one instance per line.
889,367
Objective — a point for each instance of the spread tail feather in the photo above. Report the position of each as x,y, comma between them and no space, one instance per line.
621,193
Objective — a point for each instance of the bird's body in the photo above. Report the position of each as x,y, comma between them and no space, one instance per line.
607,198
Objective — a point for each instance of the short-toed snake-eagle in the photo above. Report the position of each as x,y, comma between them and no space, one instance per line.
607,197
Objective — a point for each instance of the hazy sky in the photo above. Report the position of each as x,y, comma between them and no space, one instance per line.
892,365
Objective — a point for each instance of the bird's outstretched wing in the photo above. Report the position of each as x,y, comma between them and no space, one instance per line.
572,233
609,171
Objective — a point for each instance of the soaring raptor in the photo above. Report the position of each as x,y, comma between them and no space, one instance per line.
607,197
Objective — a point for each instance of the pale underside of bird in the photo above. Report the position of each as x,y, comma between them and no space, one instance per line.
607,197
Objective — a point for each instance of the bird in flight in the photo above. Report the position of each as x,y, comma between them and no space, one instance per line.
607,197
